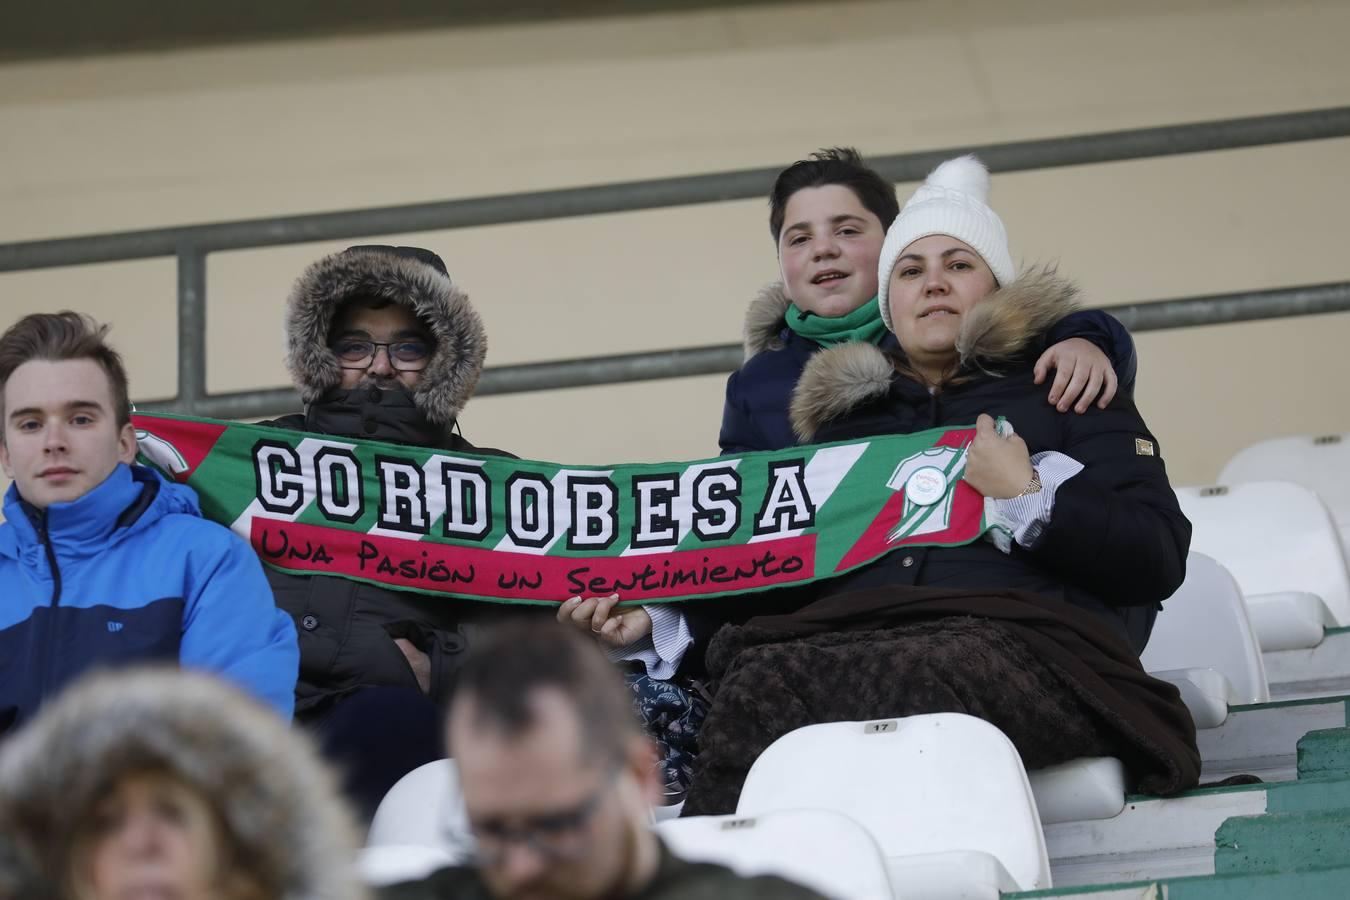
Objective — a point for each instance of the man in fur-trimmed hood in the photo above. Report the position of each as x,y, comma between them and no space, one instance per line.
280,830
382,345
380,396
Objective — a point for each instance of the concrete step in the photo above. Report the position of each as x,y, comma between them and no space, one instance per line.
1283,842
1261,739
1312,884
1168,837
1320,671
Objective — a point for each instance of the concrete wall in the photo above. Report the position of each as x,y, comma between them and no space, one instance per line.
138,141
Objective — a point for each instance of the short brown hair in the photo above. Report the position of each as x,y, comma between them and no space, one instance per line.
61,336
834,165
517,658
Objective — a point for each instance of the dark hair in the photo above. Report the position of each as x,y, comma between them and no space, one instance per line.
833,165
517,658
63,336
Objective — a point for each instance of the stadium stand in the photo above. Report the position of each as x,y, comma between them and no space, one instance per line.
835,794
1276,543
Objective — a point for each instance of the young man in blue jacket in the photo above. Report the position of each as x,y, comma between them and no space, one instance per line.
104,562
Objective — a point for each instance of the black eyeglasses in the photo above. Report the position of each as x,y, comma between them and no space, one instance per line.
405,356
557,836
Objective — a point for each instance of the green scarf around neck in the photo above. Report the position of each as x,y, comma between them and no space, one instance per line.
863,324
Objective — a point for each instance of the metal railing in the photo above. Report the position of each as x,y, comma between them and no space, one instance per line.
191,245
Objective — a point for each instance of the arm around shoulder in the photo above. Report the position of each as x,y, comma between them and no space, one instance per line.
1108,334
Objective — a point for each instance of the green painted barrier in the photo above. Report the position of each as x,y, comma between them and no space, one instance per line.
1283,842
1324,753
1314,884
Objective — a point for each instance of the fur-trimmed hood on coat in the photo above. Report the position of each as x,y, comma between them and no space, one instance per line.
999,330
410,276
765,320
273,795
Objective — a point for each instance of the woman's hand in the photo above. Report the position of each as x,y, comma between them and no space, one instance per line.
996,466
598,616
1082,371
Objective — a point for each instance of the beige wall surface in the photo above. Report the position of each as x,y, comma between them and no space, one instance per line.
138,141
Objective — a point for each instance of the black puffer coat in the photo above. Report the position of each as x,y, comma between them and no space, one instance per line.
347,628
1116,542
755,417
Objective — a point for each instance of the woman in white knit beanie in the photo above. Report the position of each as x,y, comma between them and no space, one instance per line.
946,240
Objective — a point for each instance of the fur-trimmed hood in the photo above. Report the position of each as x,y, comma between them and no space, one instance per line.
272,793
410,276
765,320
998,331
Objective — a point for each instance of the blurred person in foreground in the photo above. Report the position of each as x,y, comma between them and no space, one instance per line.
153,784
558,781
104,562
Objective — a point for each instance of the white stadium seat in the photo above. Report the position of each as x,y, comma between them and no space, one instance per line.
1320,463
944,795
421,818
389,864
1279,542
1204,643
824,850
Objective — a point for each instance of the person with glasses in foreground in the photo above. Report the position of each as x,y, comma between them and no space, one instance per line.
558,781
382,346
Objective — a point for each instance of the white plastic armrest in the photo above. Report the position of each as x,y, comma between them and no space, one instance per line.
1078,790
1206,693
1288,620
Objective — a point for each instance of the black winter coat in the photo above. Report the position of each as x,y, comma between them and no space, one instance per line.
347,628
754,415
1117,540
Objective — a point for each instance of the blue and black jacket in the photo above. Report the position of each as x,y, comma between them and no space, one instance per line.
131,573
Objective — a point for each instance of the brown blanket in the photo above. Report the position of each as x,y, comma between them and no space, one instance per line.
1052,677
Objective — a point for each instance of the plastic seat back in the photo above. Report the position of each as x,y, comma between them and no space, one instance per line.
1273,536
824,850
1204,625
919,785
424,809
1320,463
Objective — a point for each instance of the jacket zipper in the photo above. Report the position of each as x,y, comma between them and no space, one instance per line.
49,641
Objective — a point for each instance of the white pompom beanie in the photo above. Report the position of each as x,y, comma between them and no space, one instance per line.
952,201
